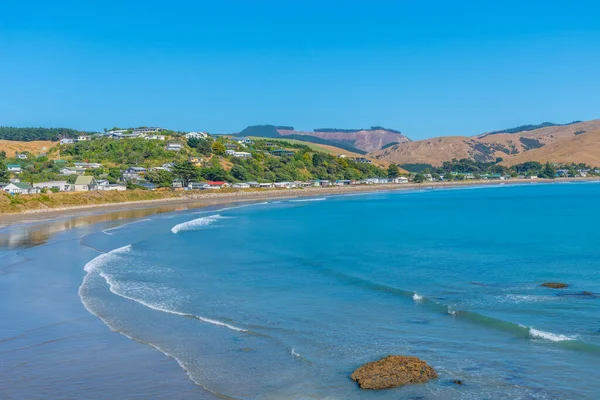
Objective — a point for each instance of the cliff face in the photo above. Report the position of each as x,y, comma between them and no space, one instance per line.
367,140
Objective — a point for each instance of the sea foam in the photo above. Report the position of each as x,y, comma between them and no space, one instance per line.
553,337
304,200
195,224
417,297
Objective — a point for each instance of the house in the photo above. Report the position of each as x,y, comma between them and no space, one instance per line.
193,185
562,172
196,135
153,169
362,160
84,183
231,146
60,162
145,130
177,184
133,173
168,166
67,141
217,184
112,186
174,146
244,141
583,172
155,137
239,154
284,185
254,184
20,188
22,156
14,168
400,179
86,165
281,152
71,171
532,177
266,185
241,186
61,186
83,138
197,161
371,181
342,182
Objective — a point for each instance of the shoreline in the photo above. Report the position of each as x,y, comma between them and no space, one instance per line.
206,199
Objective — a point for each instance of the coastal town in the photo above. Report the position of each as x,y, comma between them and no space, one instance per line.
181,161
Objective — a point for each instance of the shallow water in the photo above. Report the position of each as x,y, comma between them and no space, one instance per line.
282,300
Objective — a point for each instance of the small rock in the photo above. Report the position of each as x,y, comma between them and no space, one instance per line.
457,382
555,285
393,371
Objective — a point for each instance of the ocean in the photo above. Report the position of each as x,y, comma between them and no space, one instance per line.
283,299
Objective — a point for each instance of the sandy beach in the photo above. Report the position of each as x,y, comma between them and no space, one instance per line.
211,198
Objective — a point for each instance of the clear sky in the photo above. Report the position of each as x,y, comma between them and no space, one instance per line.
427,68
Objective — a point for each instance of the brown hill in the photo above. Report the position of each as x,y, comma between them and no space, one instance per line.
366,139
488,147
36,147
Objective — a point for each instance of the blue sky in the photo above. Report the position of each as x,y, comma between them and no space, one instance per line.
427,68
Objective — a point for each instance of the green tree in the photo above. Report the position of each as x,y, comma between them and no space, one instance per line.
4,174
160,178
239,172
549,171
218,148
419,178
393,171
186,171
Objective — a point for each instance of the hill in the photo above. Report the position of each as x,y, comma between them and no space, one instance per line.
34,134
360,141
10,147
490,146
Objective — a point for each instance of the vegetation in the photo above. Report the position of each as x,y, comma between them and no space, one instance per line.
261,131
31,134
524,128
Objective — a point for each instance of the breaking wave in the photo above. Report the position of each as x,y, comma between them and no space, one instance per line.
196,224
417,297
304,200
107,231
553,337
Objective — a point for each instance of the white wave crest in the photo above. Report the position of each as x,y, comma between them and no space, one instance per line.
115,288
451,311
304,200
417,297
295,354
195,224
537,334
103,258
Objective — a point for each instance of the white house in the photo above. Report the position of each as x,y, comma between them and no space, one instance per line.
14,168
67,141
20,188
111,186
244,141
61,186
133,173
150,129
85,165
83,138
71,171
241,186
239,154
196,135
401,179
174,146
22,156
154,137
284,185
83,183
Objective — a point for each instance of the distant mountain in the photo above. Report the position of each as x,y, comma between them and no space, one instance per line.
554,141
356,140
525,128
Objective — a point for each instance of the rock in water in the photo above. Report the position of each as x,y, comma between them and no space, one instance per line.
393,371
554,285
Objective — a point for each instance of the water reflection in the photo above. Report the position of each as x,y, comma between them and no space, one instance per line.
35,234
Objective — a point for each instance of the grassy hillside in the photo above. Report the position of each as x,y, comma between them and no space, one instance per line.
35,148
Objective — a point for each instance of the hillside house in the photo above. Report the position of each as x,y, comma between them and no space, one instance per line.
241,185
14,168
155,137
363,160
281,153
86,165
84,183
244,141
61,186
67,141
83,138
196,135
400,179
133,173
174,146
20,188
71,171
146,130
22,156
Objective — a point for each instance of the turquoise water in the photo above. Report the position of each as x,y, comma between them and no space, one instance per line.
284,299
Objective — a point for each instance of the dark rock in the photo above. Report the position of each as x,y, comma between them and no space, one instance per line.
393,371
457,382
584,294
554,285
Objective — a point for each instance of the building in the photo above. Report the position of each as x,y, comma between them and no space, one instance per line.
84,183
83,138
244,141
196,135
217,184
20,188
67,141
133,173
400,179
197,161
173,146
85,165
192,185
60,186
71,171
146,130
148,185
239,154
363,160
241,186
282,152
155,137
112,186
22,156
14,168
